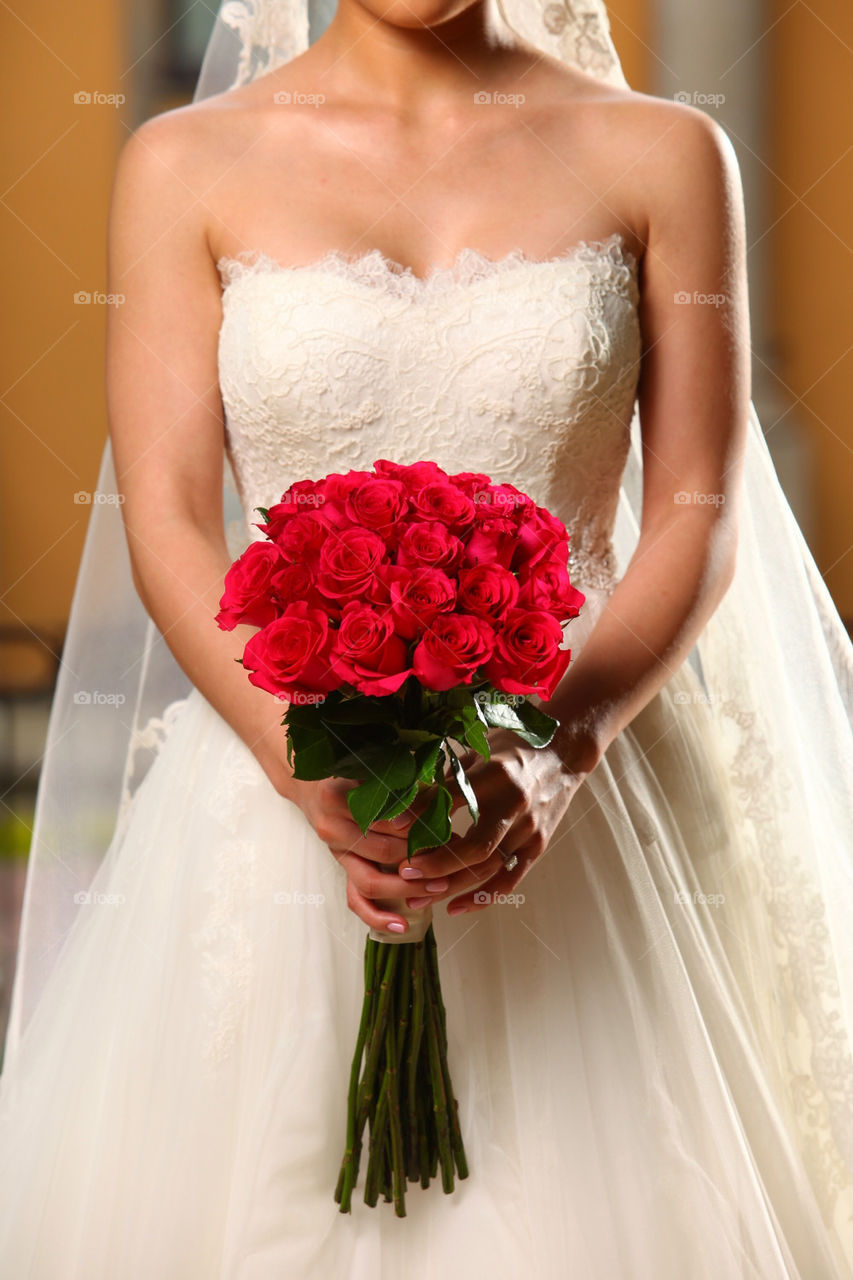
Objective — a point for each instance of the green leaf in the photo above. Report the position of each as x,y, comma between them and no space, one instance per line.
427,761
540,727
463,784
475,736
368,799
265,513
372,759
313,754
432,828
397,803
361,710
502,715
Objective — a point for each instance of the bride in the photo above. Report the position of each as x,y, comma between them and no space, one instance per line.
450,231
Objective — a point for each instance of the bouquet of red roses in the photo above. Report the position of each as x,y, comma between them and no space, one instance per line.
400,611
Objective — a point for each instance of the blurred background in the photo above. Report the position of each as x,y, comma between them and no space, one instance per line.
77,80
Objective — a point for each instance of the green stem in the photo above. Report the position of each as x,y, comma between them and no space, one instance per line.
350,1162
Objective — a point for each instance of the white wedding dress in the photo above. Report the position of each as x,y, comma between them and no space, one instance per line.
640,1098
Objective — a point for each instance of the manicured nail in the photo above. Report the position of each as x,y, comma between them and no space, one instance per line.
457,911
396,927
415,903
436,886
401,819
411,873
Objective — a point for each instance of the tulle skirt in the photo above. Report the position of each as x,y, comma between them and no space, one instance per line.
619,1040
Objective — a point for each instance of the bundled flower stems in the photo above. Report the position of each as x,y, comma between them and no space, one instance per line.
401,611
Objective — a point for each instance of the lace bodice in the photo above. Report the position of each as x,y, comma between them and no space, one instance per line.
521,368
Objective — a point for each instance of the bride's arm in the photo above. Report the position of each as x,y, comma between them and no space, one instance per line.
694,404
166,419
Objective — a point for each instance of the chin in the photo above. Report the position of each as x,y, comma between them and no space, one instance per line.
418,13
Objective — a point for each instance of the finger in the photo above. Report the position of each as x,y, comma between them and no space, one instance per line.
457,882
374,917
459,853
373,883
503,882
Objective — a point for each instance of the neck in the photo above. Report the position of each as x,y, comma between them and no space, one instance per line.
427,54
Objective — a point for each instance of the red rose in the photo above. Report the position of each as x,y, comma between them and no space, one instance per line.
412,477
444,502
291,656
452,649
302,537
487,590
528,657
348,562
304,496
471,482
377,504
539,535
492,542
428,542
417,596
547,586
246,597
296,582
501,501
368,654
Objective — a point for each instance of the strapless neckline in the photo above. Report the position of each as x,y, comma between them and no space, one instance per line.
375,269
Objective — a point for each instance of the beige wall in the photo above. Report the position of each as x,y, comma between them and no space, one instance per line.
810,188
58,160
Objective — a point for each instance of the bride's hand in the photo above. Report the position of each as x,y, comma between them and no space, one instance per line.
324,804
522,793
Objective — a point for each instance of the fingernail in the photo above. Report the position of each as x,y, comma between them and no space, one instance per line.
436,886
396,927
411,873
416,903
401,819
456,911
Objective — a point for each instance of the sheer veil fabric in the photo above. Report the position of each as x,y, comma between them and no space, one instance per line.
771,678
